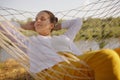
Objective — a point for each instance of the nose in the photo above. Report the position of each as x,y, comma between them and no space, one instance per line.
38,20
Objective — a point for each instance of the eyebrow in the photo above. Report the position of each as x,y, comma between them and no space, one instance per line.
42,17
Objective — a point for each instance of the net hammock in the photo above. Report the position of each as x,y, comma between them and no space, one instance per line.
102,12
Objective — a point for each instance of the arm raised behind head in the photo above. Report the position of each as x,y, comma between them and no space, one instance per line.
29,26
9,30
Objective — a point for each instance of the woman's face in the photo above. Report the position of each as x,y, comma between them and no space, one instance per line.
42,24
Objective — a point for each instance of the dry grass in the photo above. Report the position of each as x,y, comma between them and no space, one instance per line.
12,70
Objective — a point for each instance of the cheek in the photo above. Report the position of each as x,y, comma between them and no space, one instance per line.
35,25
46,23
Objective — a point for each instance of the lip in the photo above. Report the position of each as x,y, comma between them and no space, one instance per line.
38,23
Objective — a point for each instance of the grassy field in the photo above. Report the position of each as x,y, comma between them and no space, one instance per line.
12,70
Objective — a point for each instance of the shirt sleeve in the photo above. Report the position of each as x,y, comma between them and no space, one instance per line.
21,41
72,26
13,34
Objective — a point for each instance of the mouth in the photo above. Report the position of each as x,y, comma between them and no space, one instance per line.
38,24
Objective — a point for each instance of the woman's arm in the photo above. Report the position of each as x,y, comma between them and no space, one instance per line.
11,33
72,26
29,26
57,27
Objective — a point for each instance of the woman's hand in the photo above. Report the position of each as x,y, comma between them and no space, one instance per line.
57,27
29,26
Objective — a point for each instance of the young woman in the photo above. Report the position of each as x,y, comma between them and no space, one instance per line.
48,45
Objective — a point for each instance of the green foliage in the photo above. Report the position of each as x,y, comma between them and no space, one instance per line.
92,29
28,32
22,21
102,44
99,29
58,32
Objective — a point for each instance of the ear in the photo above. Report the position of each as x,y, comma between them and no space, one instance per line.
52,26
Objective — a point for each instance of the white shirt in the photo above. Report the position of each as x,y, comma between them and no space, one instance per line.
42,50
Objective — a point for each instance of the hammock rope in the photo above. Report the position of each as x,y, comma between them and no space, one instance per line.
101,9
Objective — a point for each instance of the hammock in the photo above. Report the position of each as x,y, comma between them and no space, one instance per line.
104,12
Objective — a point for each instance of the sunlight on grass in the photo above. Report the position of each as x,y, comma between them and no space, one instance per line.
12,70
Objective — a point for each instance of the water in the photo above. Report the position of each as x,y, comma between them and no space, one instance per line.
93,45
